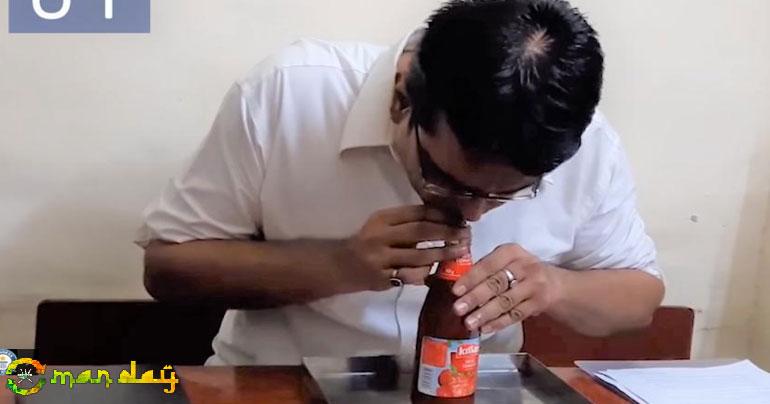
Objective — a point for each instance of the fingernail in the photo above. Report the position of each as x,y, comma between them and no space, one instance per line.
459,290
461,308
472,321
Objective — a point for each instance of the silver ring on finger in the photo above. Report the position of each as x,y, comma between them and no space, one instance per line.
511,277
395,280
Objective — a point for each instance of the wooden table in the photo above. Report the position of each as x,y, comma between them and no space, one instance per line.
283,385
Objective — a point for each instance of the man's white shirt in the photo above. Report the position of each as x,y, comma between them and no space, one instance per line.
299,149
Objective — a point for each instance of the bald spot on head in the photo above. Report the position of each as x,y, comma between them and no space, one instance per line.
537,45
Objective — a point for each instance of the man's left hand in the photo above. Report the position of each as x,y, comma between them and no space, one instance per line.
494,302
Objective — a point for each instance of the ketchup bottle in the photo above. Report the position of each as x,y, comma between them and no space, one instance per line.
447,353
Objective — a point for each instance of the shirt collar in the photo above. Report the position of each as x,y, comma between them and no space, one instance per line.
368,123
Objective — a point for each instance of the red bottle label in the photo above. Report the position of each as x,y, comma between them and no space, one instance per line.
455,269
448,368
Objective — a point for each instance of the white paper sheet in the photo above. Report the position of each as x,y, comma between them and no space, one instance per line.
741,382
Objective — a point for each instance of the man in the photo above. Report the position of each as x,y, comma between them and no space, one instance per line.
331,163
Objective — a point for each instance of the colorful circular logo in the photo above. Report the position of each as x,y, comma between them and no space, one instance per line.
24,369
6,357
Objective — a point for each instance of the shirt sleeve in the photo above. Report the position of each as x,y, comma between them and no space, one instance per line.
217,195
613,236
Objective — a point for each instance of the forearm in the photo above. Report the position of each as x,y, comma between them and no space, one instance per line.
604,302
243,274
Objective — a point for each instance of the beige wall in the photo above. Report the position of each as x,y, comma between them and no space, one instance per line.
689,90
760,341
93,125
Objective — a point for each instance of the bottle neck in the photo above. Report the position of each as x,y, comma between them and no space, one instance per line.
455,269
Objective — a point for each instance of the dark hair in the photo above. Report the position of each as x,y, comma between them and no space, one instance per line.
518,80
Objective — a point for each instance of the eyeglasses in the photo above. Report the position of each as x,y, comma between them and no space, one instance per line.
432,186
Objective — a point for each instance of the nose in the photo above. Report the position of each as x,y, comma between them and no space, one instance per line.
472,210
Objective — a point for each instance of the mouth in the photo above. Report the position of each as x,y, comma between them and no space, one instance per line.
448,207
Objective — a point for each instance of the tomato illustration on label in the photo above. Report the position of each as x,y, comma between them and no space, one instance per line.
445,378
448,368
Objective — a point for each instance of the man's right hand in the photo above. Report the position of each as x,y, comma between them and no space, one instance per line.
388,241
256,275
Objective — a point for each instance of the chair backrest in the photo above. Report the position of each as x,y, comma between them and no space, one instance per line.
117,332
669,337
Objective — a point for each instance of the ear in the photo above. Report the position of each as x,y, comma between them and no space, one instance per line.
400,108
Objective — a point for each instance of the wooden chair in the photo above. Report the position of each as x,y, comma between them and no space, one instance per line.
669,337
117,332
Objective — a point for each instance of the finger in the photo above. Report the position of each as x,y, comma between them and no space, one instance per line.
412,257
413,213
504,256
381,280
499,305
526,309
409,234
485,291
413,276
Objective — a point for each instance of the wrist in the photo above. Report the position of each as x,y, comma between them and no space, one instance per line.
561,282
343,271
318,266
